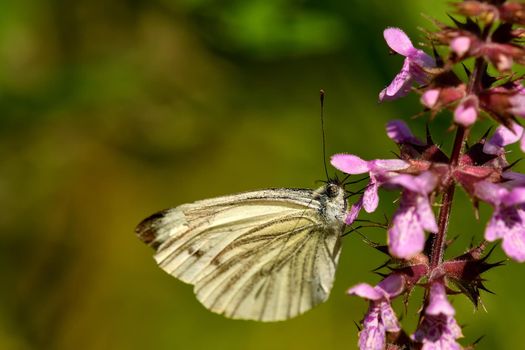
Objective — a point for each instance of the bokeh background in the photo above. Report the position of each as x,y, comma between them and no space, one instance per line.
111,110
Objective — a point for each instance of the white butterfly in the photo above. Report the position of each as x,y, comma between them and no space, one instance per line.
265,255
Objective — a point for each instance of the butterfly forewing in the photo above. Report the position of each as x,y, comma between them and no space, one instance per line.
265,255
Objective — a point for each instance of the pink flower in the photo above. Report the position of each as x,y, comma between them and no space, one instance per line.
379,170
460,45
439,303
438,328
437,97
413,69
406,236
513,179
503,137
508,219
399,132
467,111
430,98
380,317
504,102
517,103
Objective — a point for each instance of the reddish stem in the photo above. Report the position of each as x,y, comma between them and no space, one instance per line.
438,244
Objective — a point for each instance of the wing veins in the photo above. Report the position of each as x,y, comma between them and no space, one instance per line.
248,255
292,256
268,279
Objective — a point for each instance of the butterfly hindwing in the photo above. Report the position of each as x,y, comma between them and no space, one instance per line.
279,276
264,255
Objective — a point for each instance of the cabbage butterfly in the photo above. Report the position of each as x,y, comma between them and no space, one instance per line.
265,255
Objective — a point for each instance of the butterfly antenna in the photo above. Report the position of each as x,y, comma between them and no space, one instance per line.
354,182
321,99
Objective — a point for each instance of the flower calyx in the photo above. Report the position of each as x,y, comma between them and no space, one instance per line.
465,271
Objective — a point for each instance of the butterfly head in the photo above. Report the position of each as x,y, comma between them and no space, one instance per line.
333,202
333,189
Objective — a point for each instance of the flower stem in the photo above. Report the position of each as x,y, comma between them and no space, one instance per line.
438,244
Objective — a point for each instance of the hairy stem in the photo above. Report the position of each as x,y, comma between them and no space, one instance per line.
439,241
438,244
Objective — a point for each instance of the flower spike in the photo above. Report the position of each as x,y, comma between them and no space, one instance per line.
471,77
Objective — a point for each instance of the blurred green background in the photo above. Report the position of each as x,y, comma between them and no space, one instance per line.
112,110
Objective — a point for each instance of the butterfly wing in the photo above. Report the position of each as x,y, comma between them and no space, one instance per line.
265,255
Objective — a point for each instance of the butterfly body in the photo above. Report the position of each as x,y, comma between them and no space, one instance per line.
264,255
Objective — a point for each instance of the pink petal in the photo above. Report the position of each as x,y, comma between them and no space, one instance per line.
505,222
400,86
515,179
466,112
439,303
398,41
489,192
503,63
366,291
496,228
398,131
426,215
426,182
350,164
517,104
406,237
518,86
422,184
460,45
406,181
455,330
371,197
515,196
378,166
501,138
393,285
430,98
438,333
422,60
373,335
354,212
389,318
514,244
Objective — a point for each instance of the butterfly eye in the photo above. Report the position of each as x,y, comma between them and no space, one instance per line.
332,190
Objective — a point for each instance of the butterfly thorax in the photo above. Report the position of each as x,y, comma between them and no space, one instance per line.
333,205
